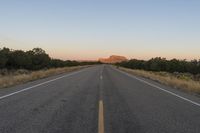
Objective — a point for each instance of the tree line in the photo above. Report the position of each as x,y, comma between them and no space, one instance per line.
34,59
162,64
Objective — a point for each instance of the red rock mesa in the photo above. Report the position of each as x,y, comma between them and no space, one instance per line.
113,59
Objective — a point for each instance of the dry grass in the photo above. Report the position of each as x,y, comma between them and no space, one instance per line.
18,78
183,83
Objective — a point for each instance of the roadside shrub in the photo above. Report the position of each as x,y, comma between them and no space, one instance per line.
161,64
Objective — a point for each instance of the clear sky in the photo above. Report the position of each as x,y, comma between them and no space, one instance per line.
89,29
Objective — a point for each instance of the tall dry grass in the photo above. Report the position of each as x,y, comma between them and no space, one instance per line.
15,78
186,84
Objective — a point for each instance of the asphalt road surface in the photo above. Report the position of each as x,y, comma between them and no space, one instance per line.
99,99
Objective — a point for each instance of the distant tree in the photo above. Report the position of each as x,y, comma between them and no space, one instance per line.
161,64
193,67
39,58
57,63
4,57
34,59
18,59
38,51
157,64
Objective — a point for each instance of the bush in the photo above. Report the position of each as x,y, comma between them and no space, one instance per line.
34,59
161,64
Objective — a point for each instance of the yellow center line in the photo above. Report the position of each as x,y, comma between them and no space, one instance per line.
101,118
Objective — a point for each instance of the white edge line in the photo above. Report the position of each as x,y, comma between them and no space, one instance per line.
28,88
152,85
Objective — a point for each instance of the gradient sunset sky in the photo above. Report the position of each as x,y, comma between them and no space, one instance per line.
89,29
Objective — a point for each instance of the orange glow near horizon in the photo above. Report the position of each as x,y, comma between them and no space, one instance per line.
147,56
90,51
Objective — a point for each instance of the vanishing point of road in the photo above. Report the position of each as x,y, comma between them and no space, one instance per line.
98,99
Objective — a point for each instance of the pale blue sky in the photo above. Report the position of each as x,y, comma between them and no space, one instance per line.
89,29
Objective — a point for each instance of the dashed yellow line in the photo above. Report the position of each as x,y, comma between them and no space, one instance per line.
101,118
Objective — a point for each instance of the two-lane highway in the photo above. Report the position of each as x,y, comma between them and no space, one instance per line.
99,99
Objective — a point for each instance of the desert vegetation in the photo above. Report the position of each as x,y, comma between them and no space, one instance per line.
18,66
35,59
161,64
179,74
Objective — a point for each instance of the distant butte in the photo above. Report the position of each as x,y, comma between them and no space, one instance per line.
113,59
